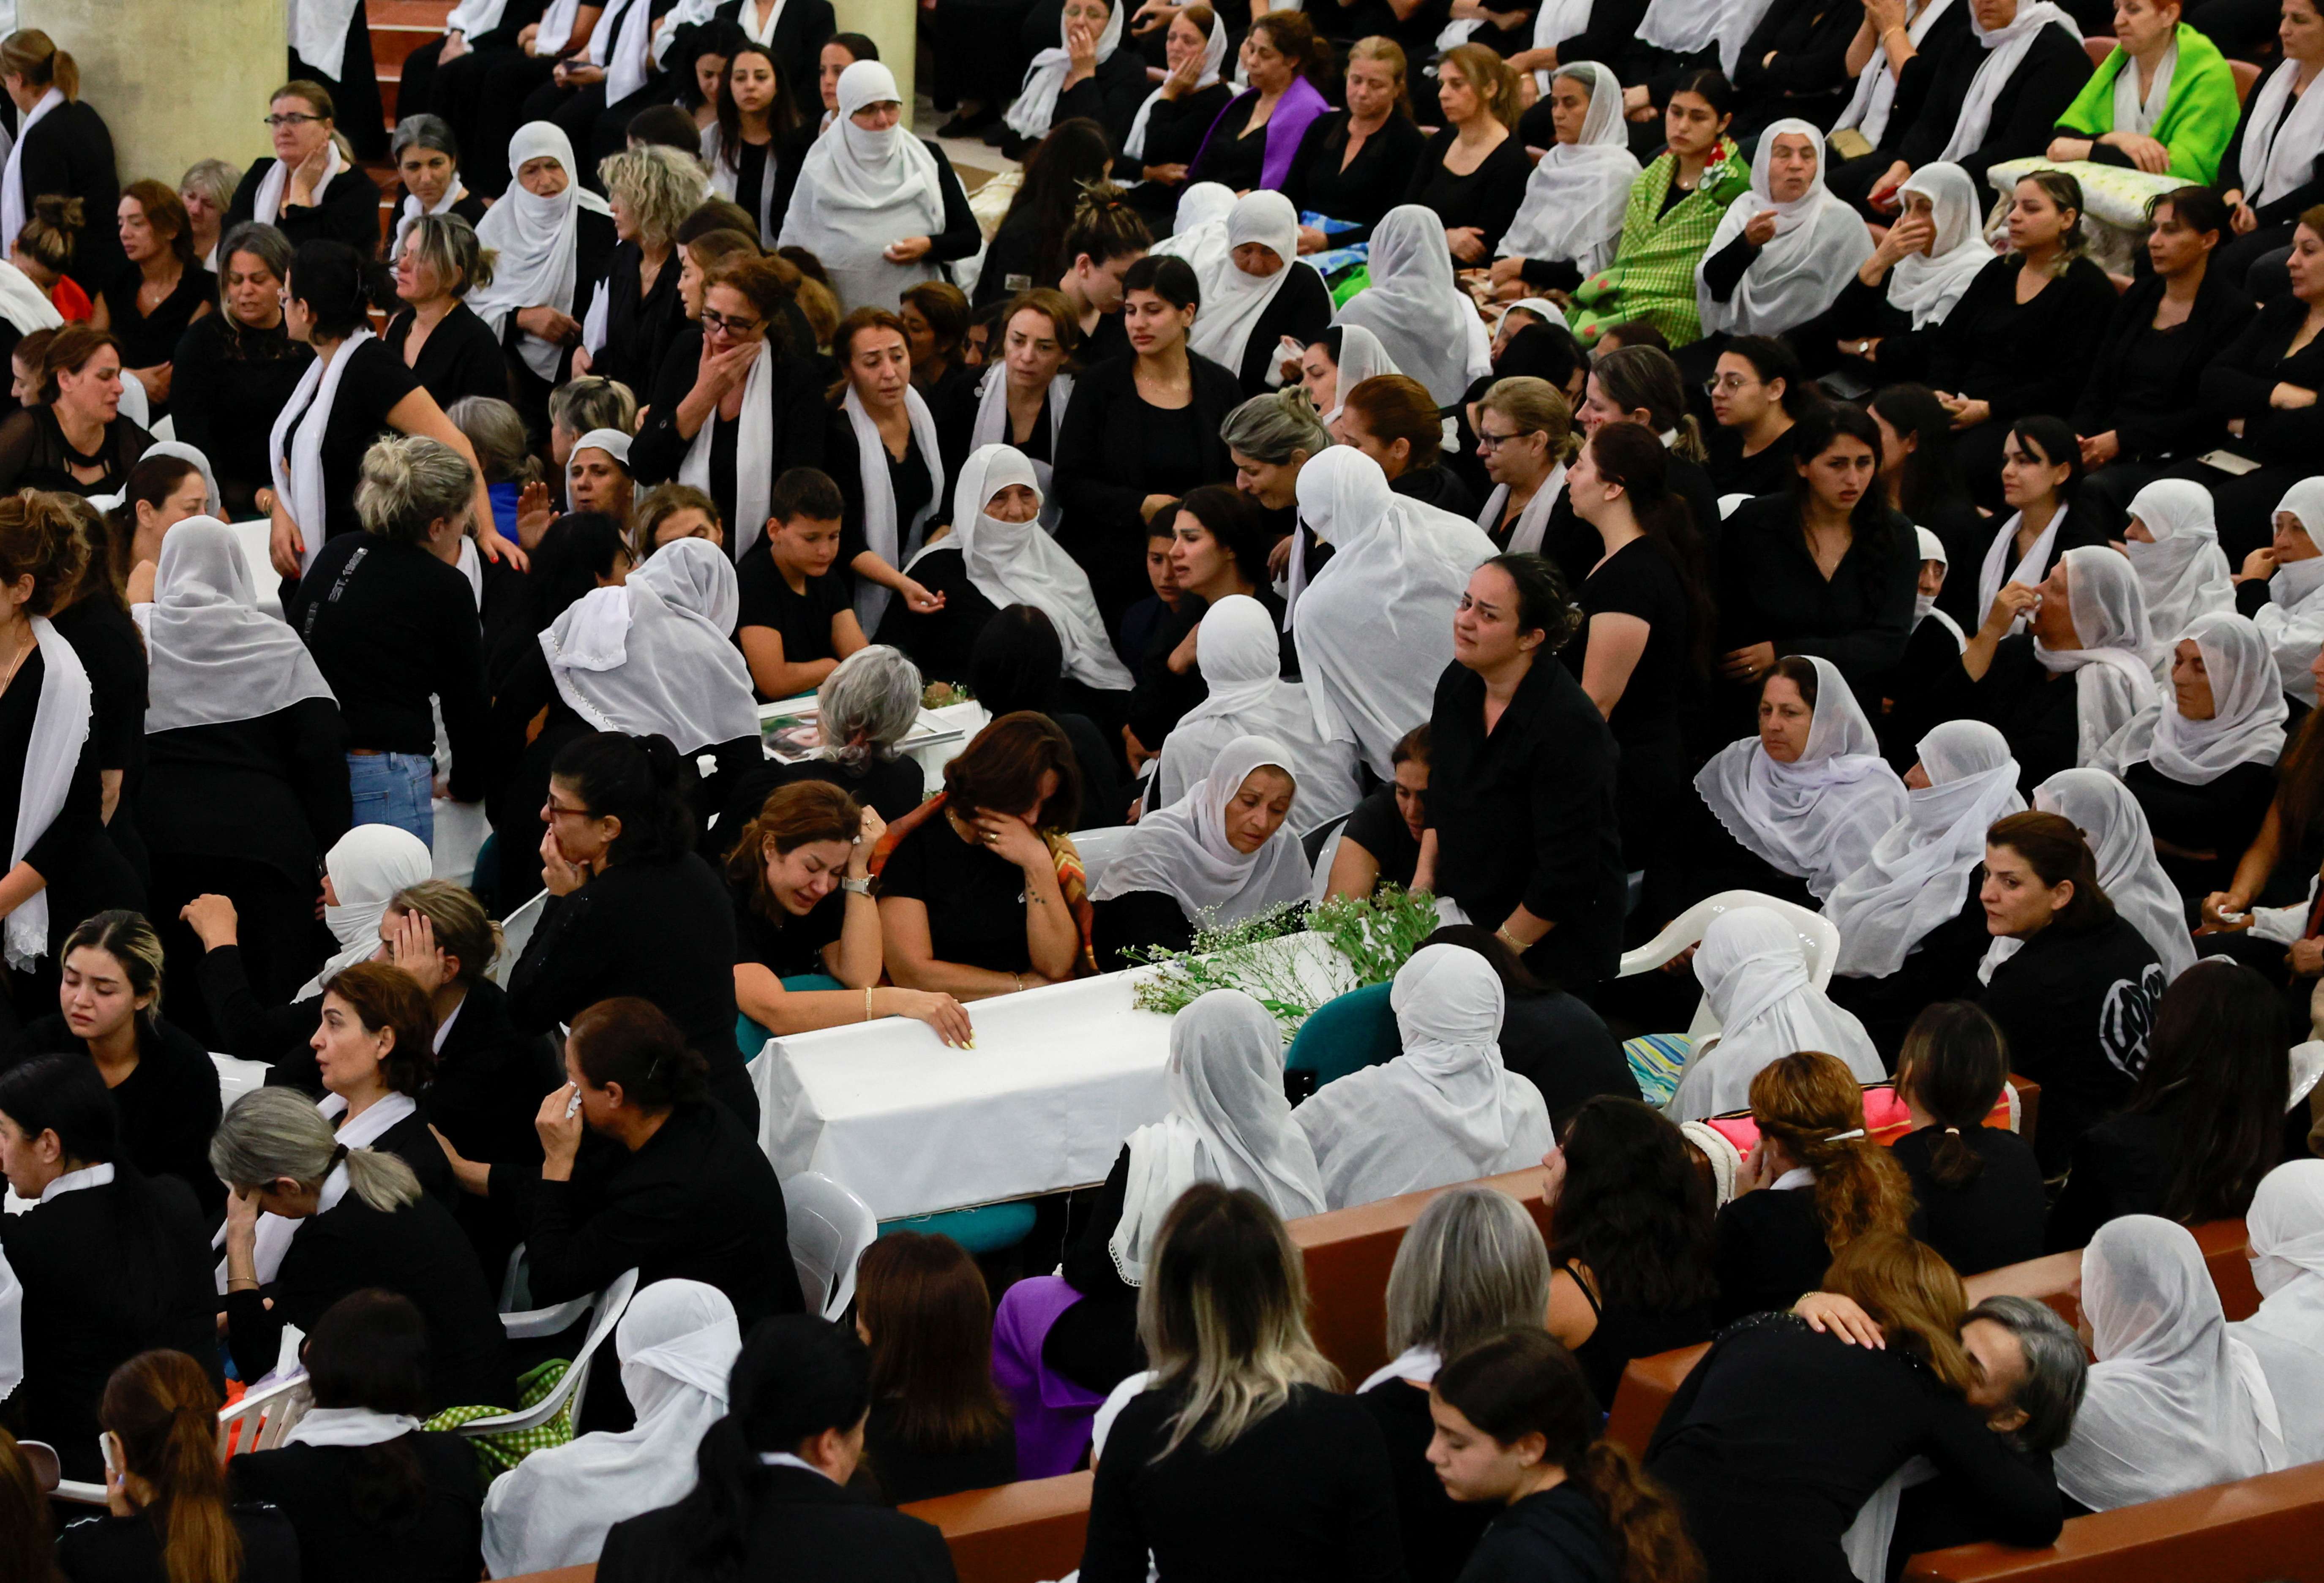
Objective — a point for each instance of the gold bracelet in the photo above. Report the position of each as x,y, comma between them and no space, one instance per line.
1020,981
867,1005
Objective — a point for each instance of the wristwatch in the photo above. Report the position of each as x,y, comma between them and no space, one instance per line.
854,887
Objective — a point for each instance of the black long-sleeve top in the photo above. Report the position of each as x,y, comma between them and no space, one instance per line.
69,152
2221,816
2146,383
1303,1494
799,33
696,1201
2233,177
491,1076
348,212
641,327
1302,310
227,383
391,627
2246,372
1526,814
316,1487
168,1106
1487,197
112,651
460,357
794,435
274,788
2075,1008
2025,112
148,338
33,454
84,871
1771,591
1949,41
2018,358
1110,96
1610,38
1323,181
1993,1219
244,1025
1767,1247
1174,130
1556,1535
1808,76
1777,1438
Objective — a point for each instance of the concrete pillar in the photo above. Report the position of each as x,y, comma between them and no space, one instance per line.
892,25
175,83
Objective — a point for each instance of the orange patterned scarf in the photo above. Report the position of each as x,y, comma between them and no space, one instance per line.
1073,880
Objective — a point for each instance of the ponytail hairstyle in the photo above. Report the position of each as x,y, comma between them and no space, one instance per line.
269,1134
32,55
464,930
1390,54
1914,1295
1535,406
370,1350
792,815
639,780
1490,75
1626,453
160,1406
1065,172
50,235
1106,226
1646,378
64,1095
165,211
1394,407
2053,847
1954,1065
1520,1382
1812,1104
2063,189
127,938
1712,86
1292,35
152,482
633,1043
1543,603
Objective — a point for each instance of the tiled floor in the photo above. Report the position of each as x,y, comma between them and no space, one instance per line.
977,159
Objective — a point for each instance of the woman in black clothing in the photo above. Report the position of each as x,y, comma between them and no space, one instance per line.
1066,170
307,191
1032,357
1252,141
371,1053
1168,131
149,304
938,1426
76,441
1473,172
1795,62
168,1512
428,176
95,619
367,1225
1380,844
867,705
1778,1436
374,1499
1261,297
1758,392
1921,476
746,143
1244,1461
1142,431
2205,1121
1471,1265
2076,1001
631,910
2202,764
2133,417
1354,165
683,1192
1640,383
2269,175
67,149
1219,549
451,352
2263,385
232,369
1829,569
1979,1188
652,189
1019,663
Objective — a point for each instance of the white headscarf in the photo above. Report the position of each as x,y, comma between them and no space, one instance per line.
1818,246
2248,710
2031,568
2175,1401
1413,305
1229,1123
859,189
1925,605
2123,847
1574,199
24,305
2292,621
536,242
1241,663
1045,78
1016,563
2004,51
676,1342
2183,573
1362,357
755,461
367,866
1375,628
1755,975
892,542
1446,1109
1927,285
1816,818
991,426
17,204
294,447
1554,22
1182,851
1214,54
2115,667
1198,234
656,654
2285,1228
215,658
212,505
1876,87
2278,152
1916,878
61,725
1233,301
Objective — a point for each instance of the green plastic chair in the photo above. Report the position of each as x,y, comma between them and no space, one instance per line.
1346,1034
754,1036
987,1229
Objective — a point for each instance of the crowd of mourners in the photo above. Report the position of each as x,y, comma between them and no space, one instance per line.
1824,496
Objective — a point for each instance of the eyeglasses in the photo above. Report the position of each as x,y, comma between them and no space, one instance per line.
741,329
294,119
558,810
1487,443
1727,383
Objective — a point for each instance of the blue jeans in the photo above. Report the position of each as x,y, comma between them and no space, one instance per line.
394,788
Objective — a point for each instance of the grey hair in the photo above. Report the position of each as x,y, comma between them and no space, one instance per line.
410,483
1472,1264
215,179
496,431
593,401
447,245
427,131
253,236
2056,1371
658,185
874,692
271,1133
1270,427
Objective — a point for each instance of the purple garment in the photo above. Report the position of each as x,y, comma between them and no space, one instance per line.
1052,1414
1297,108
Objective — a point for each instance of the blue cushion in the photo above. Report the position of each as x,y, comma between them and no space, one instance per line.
1345,1034
754,1036
985,1230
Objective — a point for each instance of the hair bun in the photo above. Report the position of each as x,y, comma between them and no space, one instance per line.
662,759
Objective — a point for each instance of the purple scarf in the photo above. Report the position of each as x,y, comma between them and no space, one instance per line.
1300,105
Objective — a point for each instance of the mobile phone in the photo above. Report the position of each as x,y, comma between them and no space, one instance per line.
108,1446
573,1105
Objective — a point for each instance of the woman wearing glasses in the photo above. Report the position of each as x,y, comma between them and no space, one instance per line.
308,191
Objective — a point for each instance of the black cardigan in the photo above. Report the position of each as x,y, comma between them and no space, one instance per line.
1770,590
2248,369
460,357
1487,197
2076,1009
2233,177
1375,183
2018,358
348,212
2023,113
315,1487
168,1105
2147,382
69,152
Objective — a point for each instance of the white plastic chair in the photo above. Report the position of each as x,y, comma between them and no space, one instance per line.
263,1417
460,831
1818,943
829,1230
1098,848
237,1077
610,1304
522,1320
1320,881
516,932
254,540
41,1461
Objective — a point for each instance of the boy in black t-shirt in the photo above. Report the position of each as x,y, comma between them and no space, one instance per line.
797,619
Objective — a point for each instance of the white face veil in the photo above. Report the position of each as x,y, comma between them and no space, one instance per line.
859,189
2115,667
1574,199
1927,285
2285,1225
1820,242
2183,573
367,866
1755,975
1017,563
1183,852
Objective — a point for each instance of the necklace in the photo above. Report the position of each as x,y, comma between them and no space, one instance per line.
23,654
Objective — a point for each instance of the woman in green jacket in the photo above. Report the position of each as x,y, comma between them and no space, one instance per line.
1675,205
2164,101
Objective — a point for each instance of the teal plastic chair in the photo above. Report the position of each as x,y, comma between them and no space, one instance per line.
988,1228
754,1036
1346,1034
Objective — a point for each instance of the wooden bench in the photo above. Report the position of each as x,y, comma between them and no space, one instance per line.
2056,1278
1017,1533
1646,1388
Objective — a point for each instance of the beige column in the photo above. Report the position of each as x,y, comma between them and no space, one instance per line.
175,83
893,25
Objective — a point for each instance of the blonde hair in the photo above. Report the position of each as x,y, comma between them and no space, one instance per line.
660,186
1390,54
32,55
1535,404
410,483
461,926
1490,75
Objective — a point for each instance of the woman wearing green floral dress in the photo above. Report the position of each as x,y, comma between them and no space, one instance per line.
1675,205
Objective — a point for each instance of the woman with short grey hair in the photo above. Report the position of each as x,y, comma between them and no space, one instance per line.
1270,438
866,706
443,341
2032,1395
207,190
